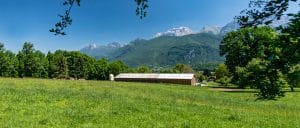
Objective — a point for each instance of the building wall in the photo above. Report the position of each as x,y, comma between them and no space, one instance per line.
172,81
194,81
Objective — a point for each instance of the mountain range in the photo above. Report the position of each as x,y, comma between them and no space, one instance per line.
177,45
101,51
162,51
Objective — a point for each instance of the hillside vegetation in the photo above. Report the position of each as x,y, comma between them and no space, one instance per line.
165,51
60,103
170,50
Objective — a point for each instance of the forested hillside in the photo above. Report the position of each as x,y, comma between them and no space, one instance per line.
166,51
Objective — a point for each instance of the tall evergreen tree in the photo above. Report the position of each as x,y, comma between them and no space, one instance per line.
40,65
26,55
12,62
21,70
50,64
7,63
59,65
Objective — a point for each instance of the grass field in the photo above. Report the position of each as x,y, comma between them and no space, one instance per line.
59,103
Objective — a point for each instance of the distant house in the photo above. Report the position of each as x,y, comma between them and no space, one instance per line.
186,79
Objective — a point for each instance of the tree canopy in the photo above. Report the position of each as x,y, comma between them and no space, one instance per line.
261,57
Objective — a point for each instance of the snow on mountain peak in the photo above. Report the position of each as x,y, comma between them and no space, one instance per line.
114,44
211,29
92,46
180,31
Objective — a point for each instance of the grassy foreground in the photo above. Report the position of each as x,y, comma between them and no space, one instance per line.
59,103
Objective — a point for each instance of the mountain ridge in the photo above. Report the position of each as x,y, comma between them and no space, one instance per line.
177,45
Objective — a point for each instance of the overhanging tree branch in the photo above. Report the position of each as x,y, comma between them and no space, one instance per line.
263,12
66,20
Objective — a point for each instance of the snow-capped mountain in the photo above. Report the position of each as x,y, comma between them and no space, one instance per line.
101,51
91,46
211,29
234,25
180,31
114,45
229,27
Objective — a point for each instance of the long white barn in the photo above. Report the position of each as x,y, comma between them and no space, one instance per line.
188,79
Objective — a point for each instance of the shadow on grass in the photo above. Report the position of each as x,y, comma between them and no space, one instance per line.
247,91
232,90
238,90
297,91
223,87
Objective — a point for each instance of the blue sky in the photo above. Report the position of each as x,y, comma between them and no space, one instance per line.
105,21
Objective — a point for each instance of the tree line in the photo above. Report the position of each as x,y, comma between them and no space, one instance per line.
29,62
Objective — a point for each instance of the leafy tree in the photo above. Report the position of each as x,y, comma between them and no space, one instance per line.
32,63
263,12
182,68
7,63
222,75
40,65
12,63
255,57
102,69
200,76
261,74
143,69
59,65
206,66
206,72
166,70
222,71
224,81
131,70
117,67
294,77
3,65
21,69
80,66
239,47
89,67
26,57
51,65
75,62
290,56
3,61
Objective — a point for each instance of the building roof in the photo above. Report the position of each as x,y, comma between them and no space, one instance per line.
154,76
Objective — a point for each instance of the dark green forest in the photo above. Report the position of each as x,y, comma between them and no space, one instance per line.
30,62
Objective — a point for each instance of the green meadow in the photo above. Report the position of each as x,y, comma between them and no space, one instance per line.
62,103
